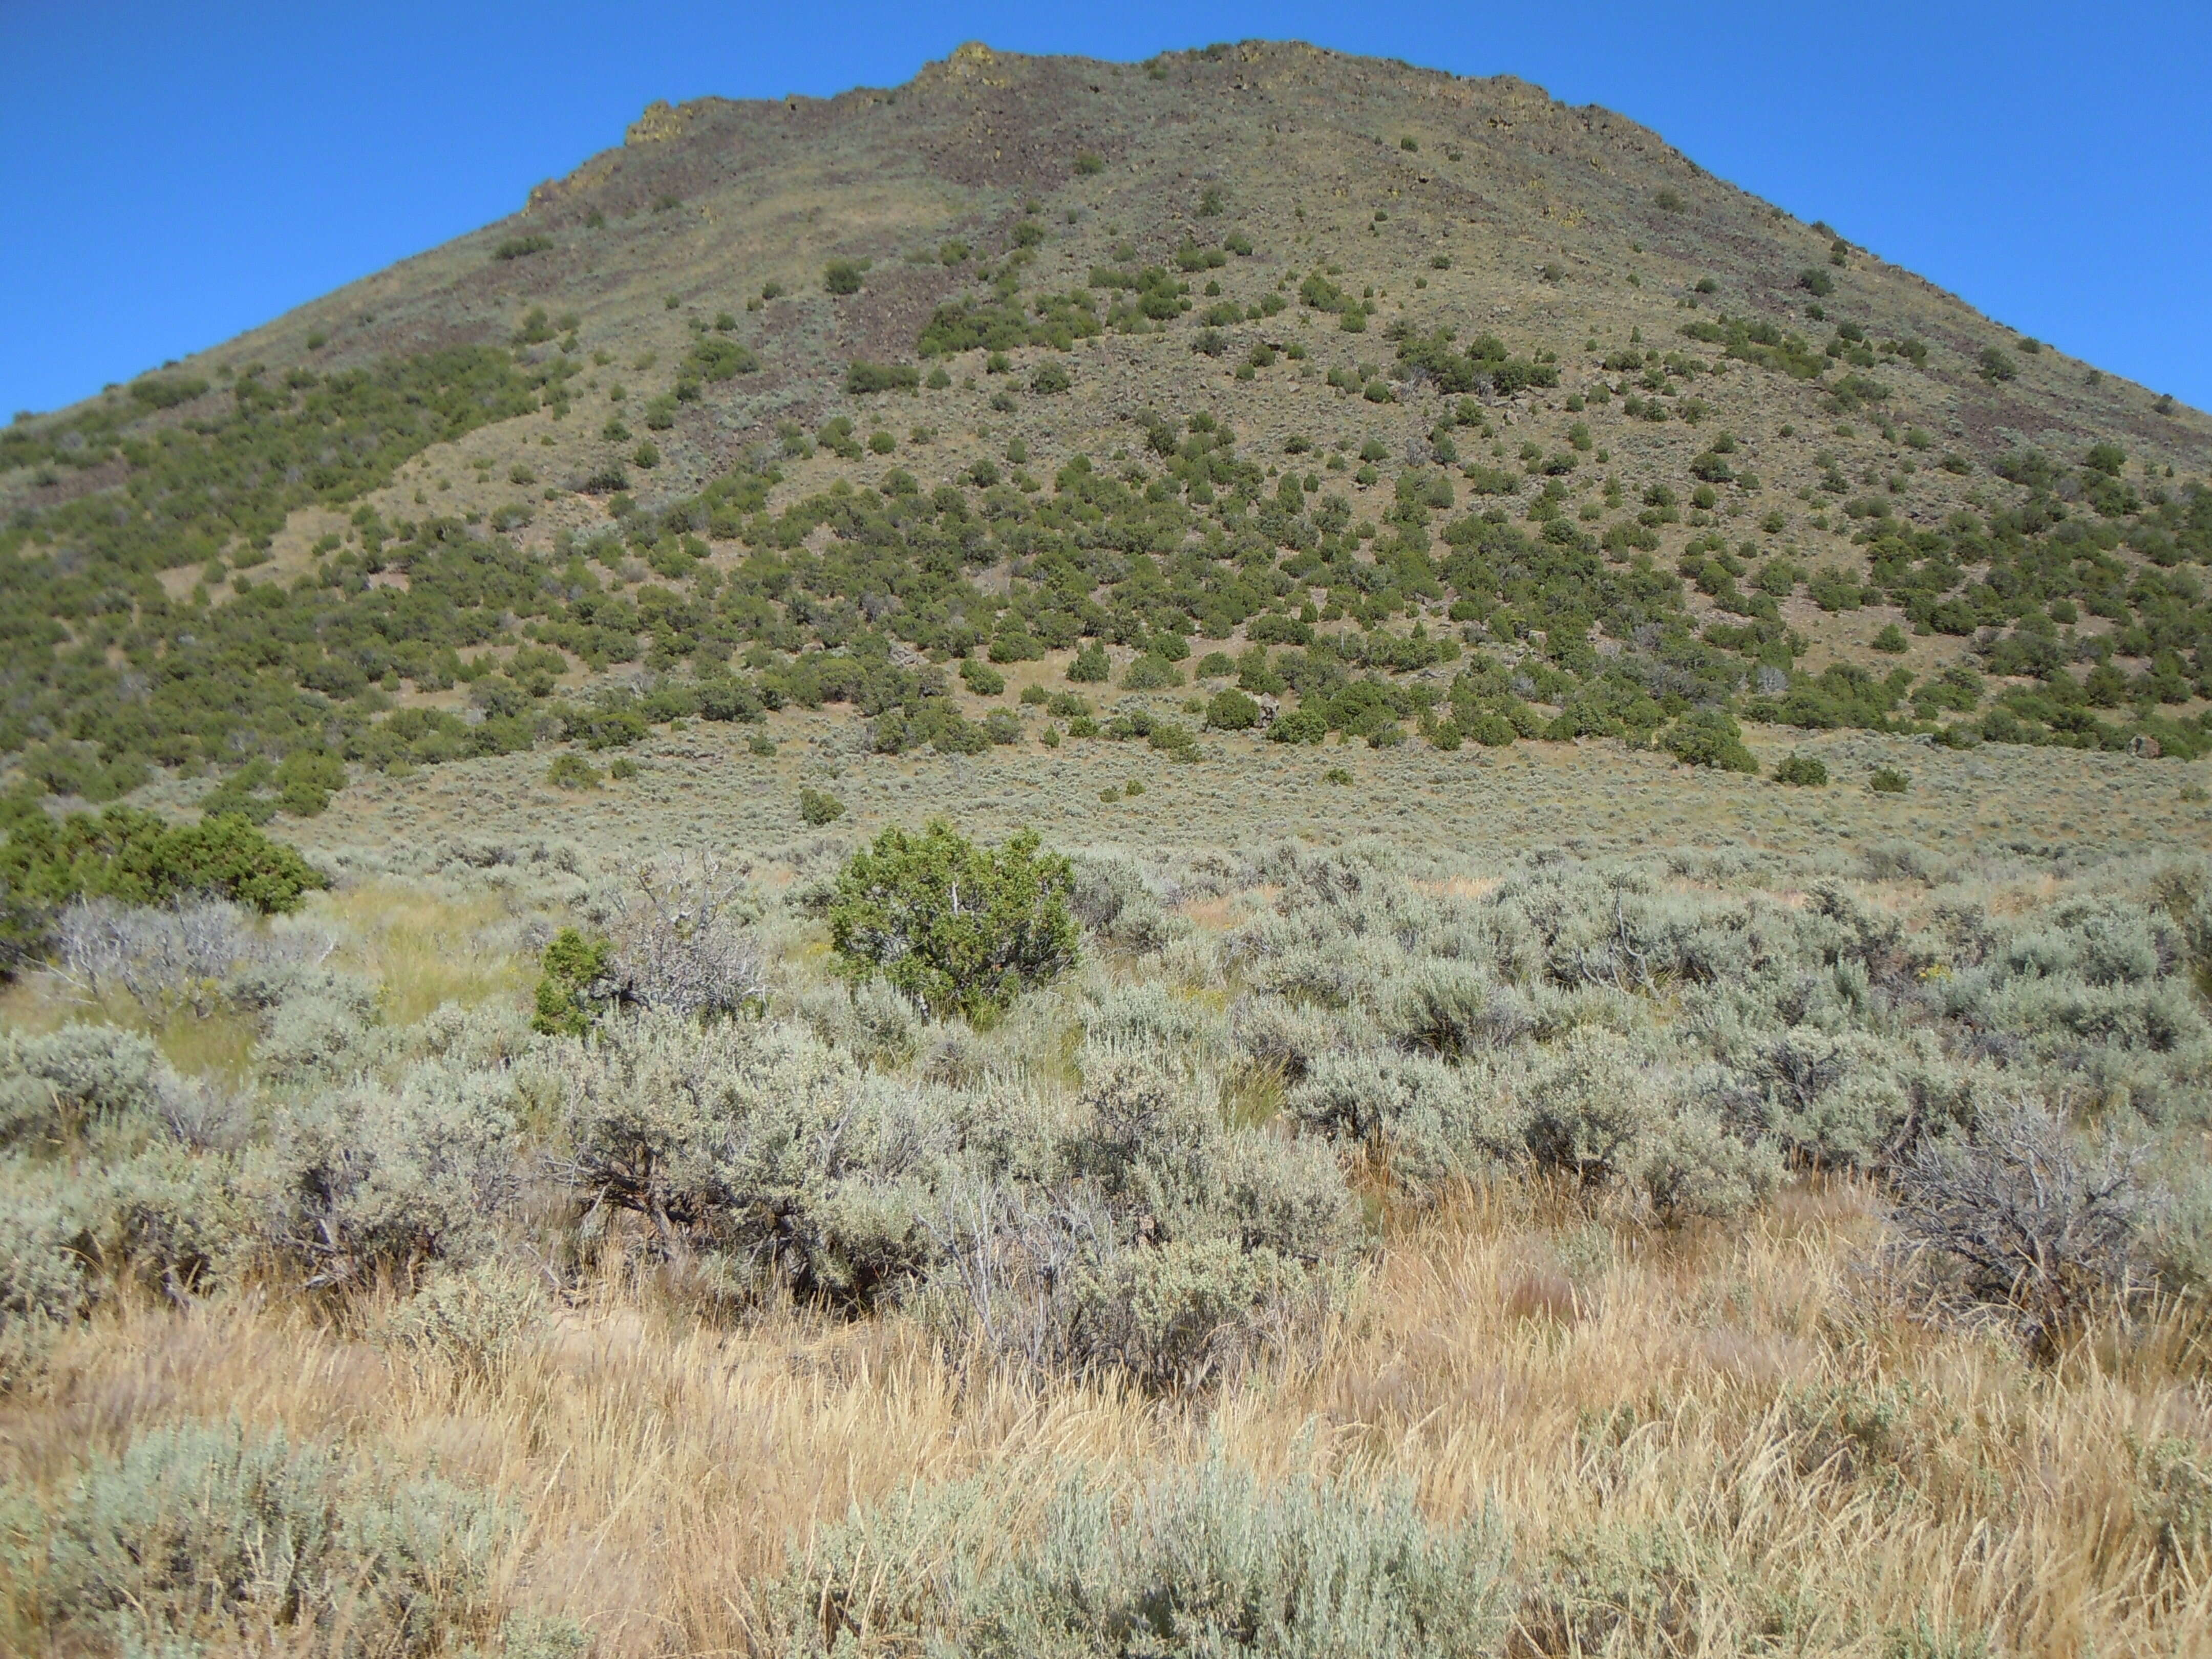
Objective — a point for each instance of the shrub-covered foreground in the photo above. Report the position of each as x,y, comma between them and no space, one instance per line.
1349,1254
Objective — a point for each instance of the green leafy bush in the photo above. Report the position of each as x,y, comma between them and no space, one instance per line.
986,681
864,378
1804,770
1231,710
1148,671
957,927
817,808
1090,665
573,771
136,857
842,277
573,966
1888,780
1709,737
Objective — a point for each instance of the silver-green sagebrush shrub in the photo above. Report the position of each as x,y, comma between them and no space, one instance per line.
1425,1122
1205,1561
758,1146
213,1534
46,1279
366,1179
2019,1220
1152,1015
80,1080
1183,1314
1110,895
475,1318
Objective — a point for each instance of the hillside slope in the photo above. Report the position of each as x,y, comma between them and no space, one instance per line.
1391,397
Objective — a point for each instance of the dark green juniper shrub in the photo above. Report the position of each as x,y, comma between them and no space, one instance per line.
959,927
1709,737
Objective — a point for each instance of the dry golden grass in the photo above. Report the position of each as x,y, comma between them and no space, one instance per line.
1736,1436
424,950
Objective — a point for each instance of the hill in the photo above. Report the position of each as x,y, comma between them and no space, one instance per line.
1579,1018
1397,401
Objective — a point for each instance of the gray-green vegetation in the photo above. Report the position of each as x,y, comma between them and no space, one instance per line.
944,987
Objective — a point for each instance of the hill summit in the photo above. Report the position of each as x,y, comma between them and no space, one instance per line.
1276,388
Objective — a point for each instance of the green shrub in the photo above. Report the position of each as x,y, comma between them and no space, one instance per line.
957,927
1090,665
572,966
1888,780
521,248
1052,378
573,771
721,359
1804,770
842,276
1231,710
863,378
986,681
1709,737
1148,671
817,808
1995,366
136,857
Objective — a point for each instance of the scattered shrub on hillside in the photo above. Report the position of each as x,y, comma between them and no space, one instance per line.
817,808
1888,780
864,378
957,927
1804,770
572,771
1148,671
1709,737
842,275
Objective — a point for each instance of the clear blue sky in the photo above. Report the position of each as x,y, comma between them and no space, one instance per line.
172,174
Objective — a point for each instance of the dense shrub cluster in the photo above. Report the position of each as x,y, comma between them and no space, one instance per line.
282,683
1167,1186
132,858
